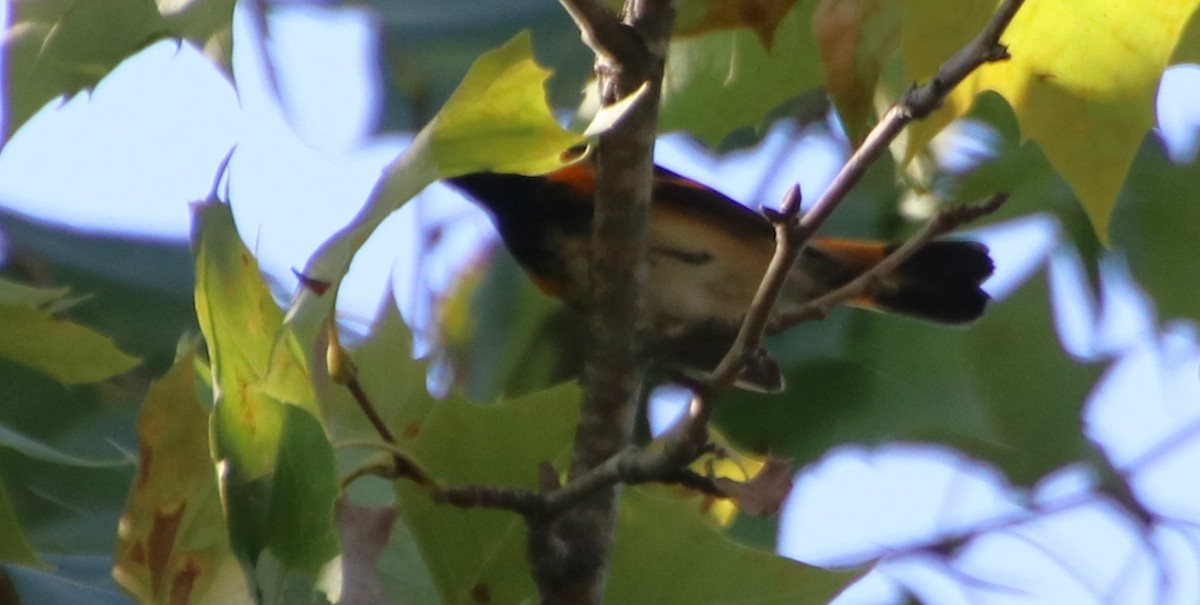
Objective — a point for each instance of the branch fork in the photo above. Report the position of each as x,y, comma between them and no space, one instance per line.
571,526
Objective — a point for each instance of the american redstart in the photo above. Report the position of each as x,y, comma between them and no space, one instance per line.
707,254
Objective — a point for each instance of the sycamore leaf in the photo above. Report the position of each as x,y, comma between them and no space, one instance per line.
666,552
1087,105
761,16
60,47
273,455
63,350
452,555
723,80
497,120
855,38
173,545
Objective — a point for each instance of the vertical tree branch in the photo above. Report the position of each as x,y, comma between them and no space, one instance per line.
570,554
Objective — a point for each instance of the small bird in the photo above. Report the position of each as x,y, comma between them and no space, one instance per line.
706,256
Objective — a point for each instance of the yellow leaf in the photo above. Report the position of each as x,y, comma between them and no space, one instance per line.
498,119
1082,79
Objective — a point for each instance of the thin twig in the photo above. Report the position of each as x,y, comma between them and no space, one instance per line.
919,101
515,499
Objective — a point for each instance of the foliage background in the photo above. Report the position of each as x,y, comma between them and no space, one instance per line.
1005,393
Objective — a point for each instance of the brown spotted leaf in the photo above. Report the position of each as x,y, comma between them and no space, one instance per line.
172,544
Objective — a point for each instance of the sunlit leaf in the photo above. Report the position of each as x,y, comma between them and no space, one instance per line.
65,351
273,454
1087,105
173,544
725,80
61,47
497,120
855,38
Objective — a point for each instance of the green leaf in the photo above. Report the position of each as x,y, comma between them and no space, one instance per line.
725,80
666,552
1088,106
1156,224
137,291
65,351
61,47
173,544
13,293
273,454
451,555
14,546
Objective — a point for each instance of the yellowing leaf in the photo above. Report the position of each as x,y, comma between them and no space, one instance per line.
172,544
63,350
760,16
272,455
498,120
1082,79
855,38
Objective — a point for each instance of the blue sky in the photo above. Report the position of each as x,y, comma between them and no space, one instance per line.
130,156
